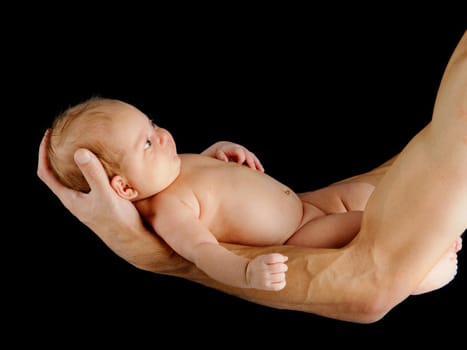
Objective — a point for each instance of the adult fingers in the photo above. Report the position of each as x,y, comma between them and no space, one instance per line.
44,172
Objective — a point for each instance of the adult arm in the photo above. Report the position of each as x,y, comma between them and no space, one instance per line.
416,211
419,208
119,226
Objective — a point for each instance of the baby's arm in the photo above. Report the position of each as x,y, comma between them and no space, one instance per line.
229,151
178,224
264,272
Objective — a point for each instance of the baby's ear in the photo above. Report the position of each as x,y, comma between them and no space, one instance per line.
122,188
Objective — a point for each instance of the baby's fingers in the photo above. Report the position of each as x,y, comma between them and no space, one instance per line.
274,258
267,272
253,162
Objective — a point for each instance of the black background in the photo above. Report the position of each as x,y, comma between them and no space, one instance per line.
316,98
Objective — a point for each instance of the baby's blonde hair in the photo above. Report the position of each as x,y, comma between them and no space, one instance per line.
82,126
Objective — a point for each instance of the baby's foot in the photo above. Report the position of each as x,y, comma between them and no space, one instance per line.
443,272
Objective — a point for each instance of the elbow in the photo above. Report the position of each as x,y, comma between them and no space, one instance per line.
367,312
371,311
378,304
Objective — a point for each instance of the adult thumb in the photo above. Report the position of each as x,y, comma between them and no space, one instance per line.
92,169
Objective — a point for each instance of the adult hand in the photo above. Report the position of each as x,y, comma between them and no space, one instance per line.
115,220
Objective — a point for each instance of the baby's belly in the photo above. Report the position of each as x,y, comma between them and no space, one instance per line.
260,211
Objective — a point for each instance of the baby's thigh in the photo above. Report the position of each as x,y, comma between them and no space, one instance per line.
338,198
328,231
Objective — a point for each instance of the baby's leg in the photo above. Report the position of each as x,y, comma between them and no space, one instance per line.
328,231
443,272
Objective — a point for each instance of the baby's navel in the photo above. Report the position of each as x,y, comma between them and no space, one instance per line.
287,191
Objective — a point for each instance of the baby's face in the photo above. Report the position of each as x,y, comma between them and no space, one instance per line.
150,161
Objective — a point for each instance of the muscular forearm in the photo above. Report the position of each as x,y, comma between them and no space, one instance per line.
142,248
318,282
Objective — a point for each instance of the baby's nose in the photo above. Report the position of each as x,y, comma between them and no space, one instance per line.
161,137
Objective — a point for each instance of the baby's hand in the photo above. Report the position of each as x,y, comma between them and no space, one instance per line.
267,272
229,151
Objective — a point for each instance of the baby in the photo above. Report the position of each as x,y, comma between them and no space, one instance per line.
194,201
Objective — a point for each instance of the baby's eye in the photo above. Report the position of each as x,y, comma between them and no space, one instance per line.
147,144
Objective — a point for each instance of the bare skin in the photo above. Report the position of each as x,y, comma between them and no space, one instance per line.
412,218
194,201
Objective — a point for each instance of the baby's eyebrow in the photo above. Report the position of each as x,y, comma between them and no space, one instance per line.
152,122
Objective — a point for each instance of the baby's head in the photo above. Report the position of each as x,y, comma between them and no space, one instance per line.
85,125
140,159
